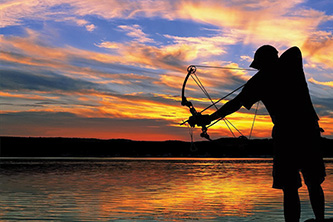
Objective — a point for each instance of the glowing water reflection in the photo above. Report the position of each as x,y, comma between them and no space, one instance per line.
146,189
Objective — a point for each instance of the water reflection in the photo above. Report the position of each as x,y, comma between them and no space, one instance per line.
164,190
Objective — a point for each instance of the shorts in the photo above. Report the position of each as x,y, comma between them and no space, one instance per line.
293,157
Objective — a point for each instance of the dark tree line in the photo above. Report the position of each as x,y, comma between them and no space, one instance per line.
79,147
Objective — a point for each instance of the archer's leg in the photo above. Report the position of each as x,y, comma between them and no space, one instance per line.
291,204
317,200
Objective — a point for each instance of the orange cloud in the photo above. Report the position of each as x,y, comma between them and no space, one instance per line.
23,96
28,51
329,83
202,46
168,57
318,48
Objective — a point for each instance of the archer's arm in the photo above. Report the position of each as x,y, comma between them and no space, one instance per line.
228,108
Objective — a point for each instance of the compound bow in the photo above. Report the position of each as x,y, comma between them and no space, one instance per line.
191,71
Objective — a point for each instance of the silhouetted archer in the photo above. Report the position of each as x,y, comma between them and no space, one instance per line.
281,86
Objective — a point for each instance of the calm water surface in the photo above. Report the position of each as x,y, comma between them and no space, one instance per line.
145,190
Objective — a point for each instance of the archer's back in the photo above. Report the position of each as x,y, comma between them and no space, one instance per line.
297,109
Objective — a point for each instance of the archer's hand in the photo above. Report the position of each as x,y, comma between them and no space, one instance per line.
199,120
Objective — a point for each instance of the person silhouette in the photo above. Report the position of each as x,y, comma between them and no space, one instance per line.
281,86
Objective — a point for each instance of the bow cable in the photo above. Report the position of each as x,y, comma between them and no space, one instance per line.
201,86
226,121
203,89
192,72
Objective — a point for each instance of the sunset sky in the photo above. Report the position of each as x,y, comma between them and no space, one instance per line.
114,69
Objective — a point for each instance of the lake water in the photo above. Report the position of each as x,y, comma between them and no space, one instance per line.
145,190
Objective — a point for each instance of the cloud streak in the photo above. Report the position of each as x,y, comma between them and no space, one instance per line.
136,32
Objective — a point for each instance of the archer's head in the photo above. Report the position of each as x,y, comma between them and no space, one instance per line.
265,57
